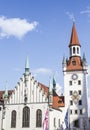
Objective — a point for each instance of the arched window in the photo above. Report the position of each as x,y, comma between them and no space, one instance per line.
54,122
13,119
38,118
77,50
58,122
73,50
26,117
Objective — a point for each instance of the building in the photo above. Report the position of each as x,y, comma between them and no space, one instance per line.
32,105
75,84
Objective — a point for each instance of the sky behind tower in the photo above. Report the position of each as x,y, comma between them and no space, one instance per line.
40,29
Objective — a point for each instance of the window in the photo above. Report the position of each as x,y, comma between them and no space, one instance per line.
70,92
80,102
59,123
76,123
74,62
70,82
70,51
79,92
77,50
54,122
79,82
76,111
38,118
70,111
13,119
26,117
81,111
71,102
73,50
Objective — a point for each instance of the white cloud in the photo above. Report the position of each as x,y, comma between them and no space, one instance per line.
15,27
71,16
42,71
87,11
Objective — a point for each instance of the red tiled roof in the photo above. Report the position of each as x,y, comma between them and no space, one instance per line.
77,66
46,89
2,93
74,37
58,101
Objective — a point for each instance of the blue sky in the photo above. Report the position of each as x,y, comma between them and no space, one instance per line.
40,29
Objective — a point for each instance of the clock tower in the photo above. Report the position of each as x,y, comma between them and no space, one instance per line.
75,84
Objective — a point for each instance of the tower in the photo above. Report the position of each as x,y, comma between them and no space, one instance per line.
75,84
26,75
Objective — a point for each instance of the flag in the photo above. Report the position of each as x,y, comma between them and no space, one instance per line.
66,120
45,121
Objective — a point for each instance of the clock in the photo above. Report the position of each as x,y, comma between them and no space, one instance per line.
74,76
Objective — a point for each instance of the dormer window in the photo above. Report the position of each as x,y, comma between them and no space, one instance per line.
74,62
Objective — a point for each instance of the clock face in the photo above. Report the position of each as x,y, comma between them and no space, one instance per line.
74,76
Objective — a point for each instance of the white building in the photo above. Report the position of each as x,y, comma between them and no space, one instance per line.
75,84
30,103
25,107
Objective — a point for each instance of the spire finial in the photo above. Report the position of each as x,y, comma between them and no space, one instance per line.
6,91
27,66
50,85
54,83
74,37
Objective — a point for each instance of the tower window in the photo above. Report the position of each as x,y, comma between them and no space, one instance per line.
79,82
79,92
80,102
70,82
70,92
76,123
71,102
77,50
76,111
74,62
81,111
73,50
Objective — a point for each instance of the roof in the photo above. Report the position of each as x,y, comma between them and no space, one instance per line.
74,63
74,37
2,93
58,101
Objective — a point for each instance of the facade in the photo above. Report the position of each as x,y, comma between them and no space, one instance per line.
75,84
32,105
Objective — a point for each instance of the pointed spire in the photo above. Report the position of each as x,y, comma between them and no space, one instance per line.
27,63
84,59
74,37
6,92
54,83
64,60
50,86
27,66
